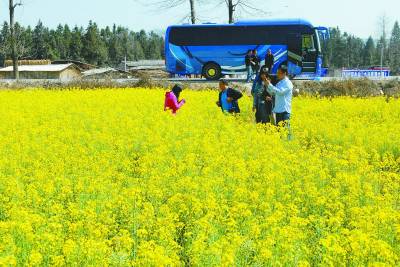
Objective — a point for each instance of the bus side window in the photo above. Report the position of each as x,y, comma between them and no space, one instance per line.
308,43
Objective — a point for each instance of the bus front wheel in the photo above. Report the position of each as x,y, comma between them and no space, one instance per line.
212,71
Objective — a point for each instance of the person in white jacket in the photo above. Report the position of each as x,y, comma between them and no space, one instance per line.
283,92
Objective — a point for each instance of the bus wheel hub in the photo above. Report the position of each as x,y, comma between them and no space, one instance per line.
211,72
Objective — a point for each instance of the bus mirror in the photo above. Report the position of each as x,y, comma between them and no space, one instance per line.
324,32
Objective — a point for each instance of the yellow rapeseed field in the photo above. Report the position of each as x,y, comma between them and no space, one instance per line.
106,178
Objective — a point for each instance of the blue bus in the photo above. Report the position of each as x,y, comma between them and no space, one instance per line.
214,50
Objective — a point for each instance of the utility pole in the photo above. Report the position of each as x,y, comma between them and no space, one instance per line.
14,53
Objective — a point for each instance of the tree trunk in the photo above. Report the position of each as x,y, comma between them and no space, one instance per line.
231,9
192,12
13,41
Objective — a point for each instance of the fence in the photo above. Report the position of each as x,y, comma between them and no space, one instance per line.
365,73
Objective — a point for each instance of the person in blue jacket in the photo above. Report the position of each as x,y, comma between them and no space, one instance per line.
228,98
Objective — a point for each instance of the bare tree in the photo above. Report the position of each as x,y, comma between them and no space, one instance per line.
247,6
168,4
14,53
383,22
192,12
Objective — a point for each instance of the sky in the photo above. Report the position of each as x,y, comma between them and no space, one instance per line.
358,17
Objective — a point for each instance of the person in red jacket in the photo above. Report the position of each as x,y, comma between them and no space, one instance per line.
172,99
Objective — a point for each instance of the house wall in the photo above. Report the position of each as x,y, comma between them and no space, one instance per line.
70,74
31,75
67,74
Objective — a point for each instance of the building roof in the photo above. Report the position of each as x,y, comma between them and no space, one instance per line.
102,71
36,68
21,62
79,64
145,63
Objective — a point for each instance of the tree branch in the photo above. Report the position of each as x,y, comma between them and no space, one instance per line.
17,4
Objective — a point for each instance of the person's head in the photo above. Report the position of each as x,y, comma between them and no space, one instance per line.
269,52
223,84
282,72
249,52
177,89
263,74
254,52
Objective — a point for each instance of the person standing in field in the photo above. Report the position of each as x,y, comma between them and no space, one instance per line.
269,60
249,69
283,92
228,98
172,99
255,62
262,100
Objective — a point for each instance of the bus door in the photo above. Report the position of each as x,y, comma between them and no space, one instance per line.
309,53
294,49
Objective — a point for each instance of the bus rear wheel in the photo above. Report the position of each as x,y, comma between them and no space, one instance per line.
212,71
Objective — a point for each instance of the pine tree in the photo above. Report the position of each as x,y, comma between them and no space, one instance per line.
382,50
138,48
368,53
115,45
394,49
25,43
94,48
76,44
41,46
4,45
337,49
97,46
67,36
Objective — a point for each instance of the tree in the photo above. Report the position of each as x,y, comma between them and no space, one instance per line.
368,53
127,40
169,4
24,41
394,49
382,56
354,47
40,47
114,42
192,12
67,39
61,40
335,51
248,6
76,44
97,46
154,46
94,48
231,9
14,54
4,42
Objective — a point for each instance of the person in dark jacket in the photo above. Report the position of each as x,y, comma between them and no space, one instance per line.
263,102
255,62
228,98
249,69
269,60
